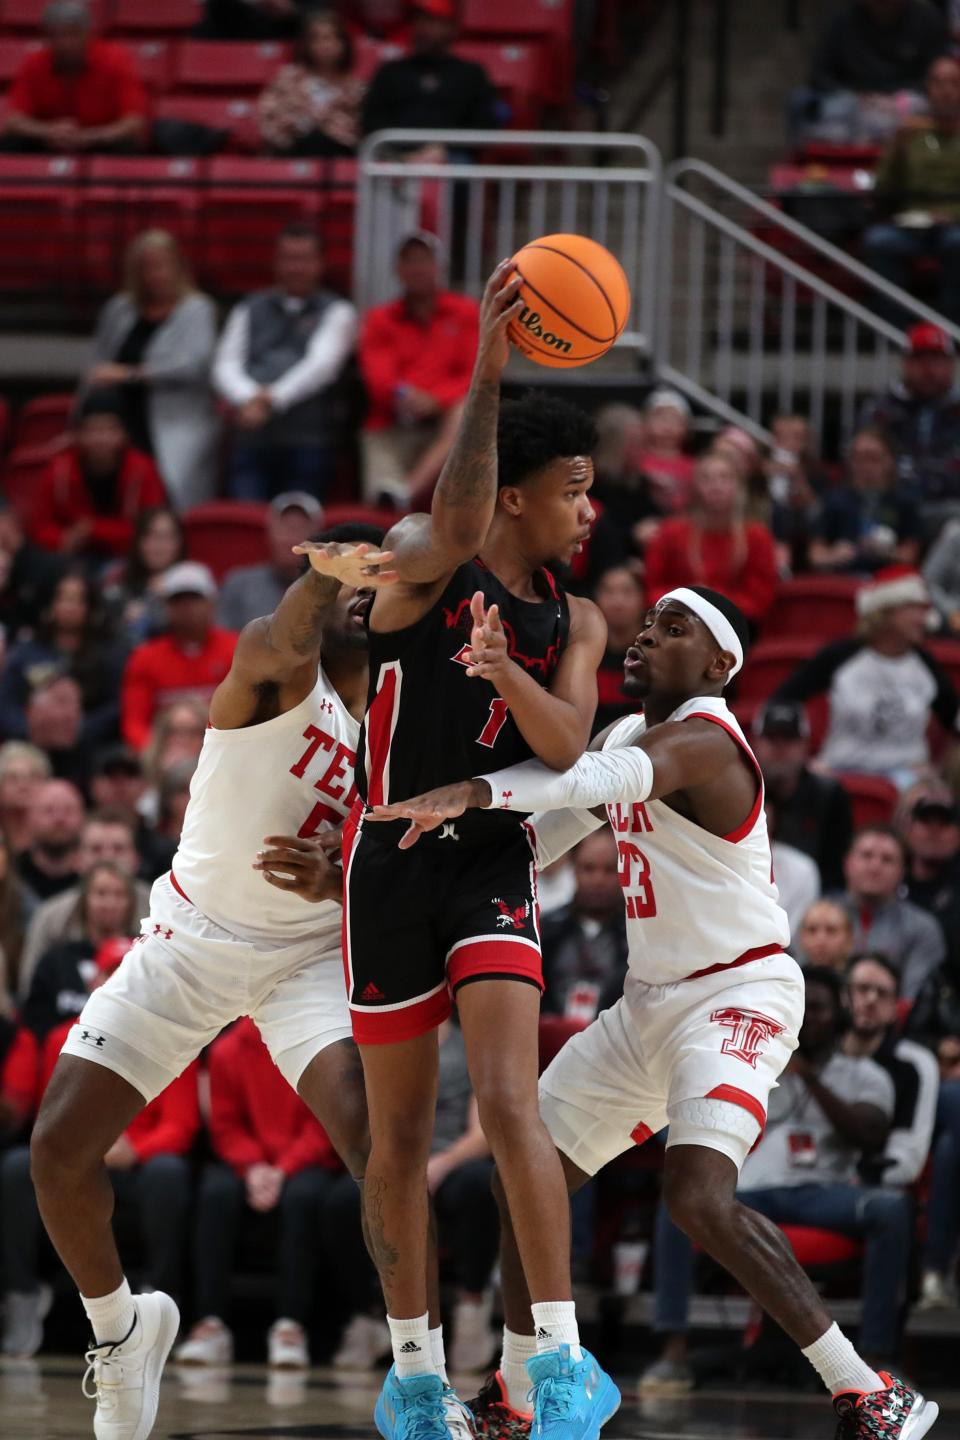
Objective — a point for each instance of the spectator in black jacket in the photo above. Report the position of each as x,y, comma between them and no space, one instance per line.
813,811
61,981
431,88
585,943
882,684
920,416
873,988
931,832
870,519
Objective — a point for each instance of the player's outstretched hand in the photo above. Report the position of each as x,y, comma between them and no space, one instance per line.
302,866
426,812
362,566
488,643
498,307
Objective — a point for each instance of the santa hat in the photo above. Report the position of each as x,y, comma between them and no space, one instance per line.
894,585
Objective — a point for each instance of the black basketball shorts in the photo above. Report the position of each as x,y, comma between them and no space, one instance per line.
419,923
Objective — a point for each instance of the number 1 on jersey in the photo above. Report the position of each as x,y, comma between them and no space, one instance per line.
499,710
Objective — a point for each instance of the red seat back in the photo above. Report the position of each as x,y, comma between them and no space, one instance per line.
820,605
547,21
13,53
947,653
247,205
154,61
768,664
226,534
554,1032
519,71
234,67
125,195
21,478
872,799
44,419
813,1247
28,14
236,116
168,17
39,209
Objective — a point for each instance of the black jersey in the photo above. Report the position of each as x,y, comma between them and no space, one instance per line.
428,723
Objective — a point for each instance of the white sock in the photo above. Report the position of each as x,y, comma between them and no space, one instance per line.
555,1323
517,1350
437,1354
411,1346
111,1316
838,1364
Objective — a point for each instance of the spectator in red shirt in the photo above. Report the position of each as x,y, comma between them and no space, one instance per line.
187,663
272,1155
148,1170
416,355
91,493
76,93
713,545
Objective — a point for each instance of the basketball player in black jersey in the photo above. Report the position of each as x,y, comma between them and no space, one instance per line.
424,925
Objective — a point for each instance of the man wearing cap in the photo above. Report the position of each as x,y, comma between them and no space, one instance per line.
920,417
75,94
277,365
813,810
431,88
883,685
918,188
91,493
188,662
416,356
256,589
699,1049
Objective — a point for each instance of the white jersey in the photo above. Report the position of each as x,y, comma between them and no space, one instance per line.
695,901
292,775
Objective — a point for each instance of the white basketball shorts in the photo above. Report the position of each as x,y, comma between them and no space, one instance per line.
725,1036
186,978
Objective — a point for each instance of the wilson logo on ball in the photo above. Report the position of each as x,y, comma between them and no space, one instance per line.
531,320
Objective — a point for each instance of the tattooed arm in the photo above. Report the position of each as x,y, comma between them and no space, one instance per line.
275,663
428,547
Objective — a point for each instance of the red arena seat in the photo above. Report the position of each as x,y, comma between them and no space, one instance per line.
820,605
518,71
28,14
235,67
171,17
947,654
872,799
821,1247
768,665
247,204
4,425
554,1032
369,54
225,534
12,55
21,477
154,61
235,117
39,207
126,194
548,21
44,419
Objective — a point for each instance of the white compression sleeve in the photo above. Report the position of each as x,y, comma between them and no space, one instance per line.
599,778
557,831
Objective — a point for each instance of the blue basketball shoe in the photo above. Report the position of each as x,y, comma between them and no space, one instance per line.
412,1409
572,1399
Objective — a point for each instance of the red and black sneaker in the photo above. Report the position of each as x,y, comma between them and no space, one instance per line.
492,1416
894,1413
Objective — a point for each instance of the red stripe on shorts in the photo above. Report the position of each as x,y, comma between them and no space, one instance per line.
389,1027
495,957
761,953
179,888
744,1099
640,1134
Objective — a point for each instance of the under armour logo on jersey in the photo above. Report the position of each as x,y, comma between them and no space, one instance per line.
88,1038
749,1032
162,930
449,832
512,919
326,705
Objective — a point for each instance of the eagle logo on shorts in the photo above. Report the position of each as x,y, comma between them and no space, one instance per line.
512,919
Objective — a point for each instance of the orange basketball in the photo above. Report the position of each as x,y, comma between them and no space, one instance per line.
575,300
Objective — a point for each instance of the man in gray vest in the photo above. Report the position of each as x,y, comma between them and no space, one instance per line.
280,356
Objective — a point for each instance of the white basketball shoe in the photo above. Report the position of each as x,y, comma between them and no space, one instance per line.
123,1376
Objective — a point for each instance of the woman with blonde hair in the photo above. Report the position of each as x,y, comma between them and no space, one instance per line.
714,545
155,341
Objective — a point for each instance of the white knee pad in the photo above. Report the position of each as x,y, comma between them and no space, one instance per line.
717,1124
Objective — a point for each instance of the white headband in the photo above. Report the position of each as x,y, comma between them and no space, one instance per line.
715,621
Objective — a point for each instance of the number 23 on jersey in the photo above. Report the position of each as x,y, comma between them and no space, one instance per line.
634,867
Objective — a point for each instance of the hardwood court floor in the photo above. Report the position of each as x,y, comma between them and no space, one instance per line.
42,1401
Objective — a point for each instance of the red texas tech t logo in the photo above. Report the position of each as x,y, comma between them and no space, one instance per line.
749,1032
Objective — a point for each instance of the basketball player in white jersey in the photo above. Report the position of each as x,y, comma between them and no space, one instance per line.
712,1006
277,762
